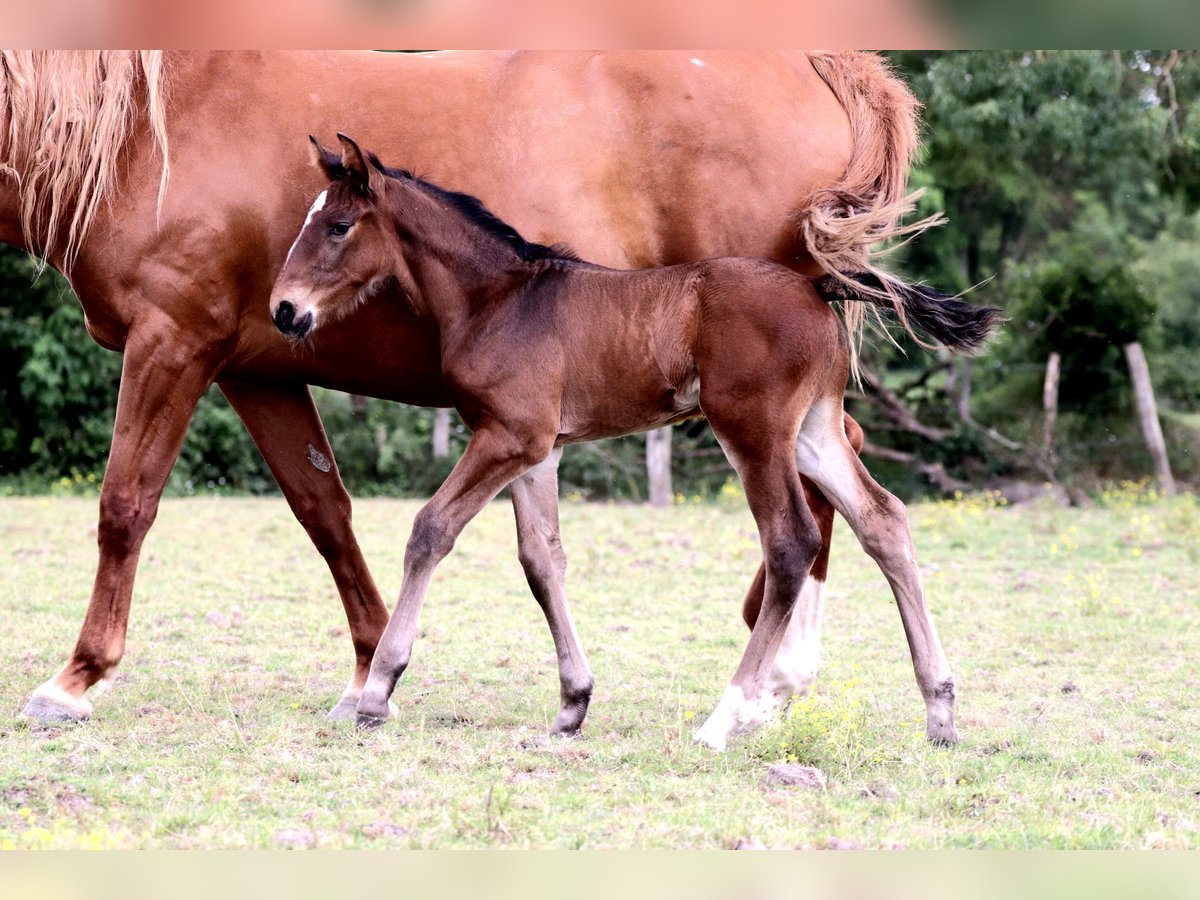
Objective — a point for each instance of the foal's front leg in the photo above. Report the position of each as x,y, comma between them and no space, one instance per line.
494,457
535,502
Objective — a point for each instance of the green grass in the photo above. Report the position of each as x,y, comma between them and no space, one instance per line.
1073,634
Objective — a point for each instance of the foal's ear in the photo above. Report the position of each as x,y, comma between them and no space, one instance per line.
328,161
365,178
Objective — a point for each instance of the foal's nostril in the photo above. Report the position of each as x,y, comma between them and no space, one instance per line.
285,314
302,325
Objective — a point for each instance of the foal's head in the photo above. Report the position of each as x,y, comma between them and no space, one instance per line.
347,250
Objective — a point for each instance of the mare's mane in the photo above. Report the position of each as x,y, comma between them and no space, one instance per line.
69,114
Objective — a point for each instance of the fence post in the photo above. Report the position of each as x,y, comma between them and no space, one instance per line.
1050,409
658,465
441,433
1147,409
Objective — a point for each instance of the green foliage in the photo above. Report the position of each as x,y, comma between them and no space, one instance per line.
385,449
57,388
1081,299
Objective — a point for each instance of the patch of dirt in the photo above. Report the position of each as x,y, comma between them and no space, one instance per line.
73,801
795,775
384,829
23,791
879,790
748,844
842,844
296,838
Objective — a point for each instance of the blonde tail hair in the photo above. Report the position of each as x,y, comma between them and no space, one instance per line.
842,225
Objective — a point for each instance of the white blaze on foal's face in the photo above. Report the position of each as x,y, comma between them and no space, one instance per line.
317,206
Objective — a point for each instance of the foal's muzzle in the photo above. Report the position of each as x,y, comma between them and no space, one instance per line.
287,323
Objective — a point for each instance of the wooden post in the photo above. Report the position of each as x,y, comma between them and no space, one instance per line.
658,465
1147,409
441,433
1050,408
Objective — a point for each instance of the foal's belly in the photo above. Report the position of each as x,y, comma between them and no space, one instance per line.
620,407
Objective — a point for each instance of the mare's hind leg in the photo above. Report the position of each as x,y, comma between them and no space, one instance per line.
790,542
881,523
287,429
493,458
535,503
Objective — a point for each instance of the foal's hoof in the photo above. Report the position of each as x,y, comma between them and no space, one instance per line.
347,708
364,722
50,703
942,733
343,709
713,741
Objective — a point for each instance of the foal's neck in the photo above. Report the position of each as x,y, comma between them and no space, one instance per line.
459,270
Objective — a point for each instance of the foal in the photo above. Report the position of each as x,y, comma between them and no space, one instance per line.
542,349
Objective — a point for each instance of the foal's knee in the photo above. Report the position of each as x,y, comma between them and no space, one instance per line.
790,556
430,540
542,557
886,536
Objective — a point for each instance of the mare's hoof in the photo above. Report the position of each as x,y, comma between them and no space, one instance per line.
43,708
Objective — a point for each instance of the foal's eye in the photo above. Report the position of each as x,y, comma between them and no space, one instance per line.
337,229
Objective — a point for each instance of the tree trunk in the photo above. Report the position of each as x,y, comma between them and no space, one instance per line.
658,465
1050,409
962,387
1147,409
441,433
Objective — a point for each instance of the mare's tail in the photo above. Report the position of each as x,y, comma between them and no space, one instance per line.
952,323
842,224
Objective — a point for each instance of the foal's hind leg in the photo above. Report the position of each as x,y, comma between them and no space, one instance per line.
799,657
535,502
493,458
881,523
790,542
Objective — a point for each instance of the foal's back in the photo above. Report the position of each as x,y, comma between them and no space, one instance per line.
634,347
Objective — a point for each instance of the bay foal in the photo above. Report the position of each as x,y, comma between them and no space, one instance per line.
541,349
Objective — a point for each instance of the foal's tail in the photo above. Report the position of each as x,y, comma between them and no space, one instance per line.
952,323
841,225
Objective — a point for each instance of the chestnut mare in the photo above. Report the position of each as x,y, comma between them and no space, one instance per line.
540,349
168,188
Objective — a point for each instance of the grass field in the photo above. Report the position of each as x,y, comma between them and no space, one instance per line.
1073,634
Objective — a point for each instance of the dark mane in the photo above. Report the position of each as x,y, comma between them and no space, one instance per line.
473,210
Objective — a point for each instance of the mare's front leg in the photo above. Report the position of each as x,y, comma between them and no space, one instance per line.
285,425
494,457
539,545
163,375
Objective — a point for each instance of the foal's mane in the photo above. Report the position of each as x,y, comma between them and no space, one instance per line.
472,209
69,114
